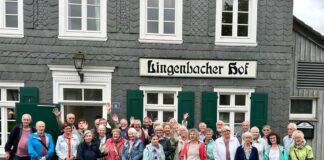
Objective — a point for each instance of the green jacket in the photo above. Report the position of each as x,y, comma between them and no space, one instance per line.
210,149
283,153
305,152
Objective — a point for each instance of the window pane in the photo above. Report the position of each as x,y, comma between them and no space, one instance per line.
239,117
242,31
240,100
12,21
226,30
153,115
152,27
153,3
93,25
224,116
152,98
152,14
227,5
169,3
168,98
95,2
167,116
12,94
224,100
11,114
11,8
93,94
227,17
243,5
75,23
301,106
74,10
169,27
72,94
0,100
169,14
75,1
93,11
243,18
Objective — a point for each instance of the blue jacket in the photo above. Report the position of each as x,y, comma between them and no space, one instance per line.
136,152
151,152
210,149
240,154
35,146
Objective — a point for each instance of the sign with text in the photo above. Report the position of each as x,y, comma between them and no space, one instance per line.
197,68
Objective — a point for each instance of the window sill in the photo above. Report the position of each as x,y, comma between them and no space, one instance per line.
10,35
241,43
85,38
165,41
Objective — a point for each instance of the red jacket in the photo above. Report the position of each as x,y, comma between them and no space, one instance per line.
111,148
202,151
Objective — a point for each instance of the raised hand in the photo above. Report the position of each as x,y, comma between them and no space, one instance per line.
56,112
115,118
108,107
185,116
131,120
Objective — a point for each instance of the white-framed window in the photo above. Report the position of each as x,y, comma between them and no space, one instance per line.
11,18
161,21
302,108
9,96
83,20
236,22
234,106
160,103
82,93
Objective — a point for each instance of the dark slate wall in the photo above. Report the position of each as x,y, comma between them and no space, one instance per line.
26,59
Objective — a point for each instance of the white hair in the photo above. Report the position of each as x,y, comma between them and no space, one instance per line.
101,126
293,125
246,134
40,122
298,133
26,115
255,128
132,130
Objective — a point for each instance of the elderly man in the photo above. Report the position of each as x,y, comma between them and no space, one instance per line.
245,128
202,131
219,126
16,146
123,127
40,144
70,119
288,140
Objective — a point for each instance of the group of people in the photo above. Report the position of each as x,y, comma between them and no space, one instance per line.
117,140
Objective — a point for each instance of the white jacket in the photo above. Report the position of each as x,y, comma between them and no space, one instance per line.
61,147
220,149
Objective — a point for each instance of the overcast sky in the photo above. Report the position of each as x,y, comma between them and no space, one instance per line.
311,12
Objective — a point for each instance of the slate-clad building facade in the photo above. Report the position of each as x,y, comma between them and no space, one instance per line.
38,39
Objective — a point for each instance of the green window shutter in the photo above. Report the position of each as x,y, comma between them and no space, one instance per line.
259,109
186,103
209,109
28,95
135,104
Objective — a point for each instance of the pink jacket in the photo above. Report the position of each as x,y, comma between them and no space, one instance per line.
202,151
114,150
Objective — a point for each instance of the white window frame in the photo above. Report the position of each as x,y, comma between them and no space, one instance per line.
311,116
66,34
250,40
175,38
160,90
232,109
10,31
4,106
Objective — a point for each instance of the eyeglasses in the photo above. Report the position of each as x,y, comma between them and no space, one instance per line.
266,129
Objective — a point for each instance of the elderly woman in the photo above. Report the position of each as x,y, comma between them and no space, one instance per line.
141,133
246,150
183,131
165,142
209,143
101,138
258,142
133,147
300,151
88,149
225,146
275,151
194,149
154,150
67,144
115,145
